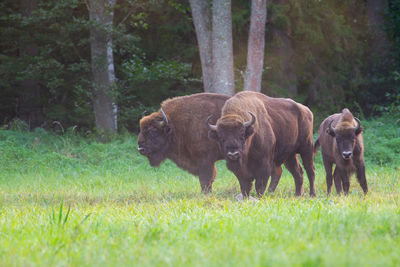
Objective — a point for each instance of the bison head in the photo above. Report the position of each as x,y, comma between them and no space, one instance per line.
155,137
231,134
345,133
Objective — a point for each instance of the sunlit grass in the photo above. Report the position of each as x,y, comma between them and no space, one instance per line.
72,201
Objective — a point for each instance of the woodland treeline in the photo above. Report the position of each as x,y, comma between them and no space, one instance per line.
105,62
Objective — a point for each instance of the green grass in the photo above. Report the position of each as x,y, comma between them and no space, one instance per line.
71,201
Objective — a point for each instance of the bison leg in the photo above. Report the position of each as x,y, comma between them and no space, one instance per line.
261,185
308,163
361,177
275,177
337,176
293,165
207,175
346,182
329,178
262,176
245,186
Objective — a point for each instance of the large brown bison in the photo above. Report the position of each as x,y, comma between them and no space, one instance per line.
257,133
341,141
178,132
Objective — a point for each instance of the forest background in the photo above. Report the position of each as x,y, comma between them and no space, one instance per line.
326,54
68,199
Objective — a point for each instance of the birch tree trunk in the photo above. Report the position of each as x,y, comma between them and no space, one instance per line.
222,49
256,44
201,13
102,61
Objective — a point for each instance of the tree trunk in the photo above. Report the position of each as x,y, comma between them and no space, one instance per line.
375,12
379,45
29,107
256,44
102,61
201,13
284,51
222,49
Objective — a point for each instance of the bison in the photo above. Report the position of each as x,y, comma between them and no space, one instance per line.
341,142
177,132
257,133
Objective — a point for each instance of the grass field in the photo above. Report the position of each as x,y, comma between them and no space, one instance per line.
71,201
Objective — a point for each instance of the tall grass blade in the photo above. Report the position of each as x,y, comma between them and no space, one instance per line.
66,215
60,212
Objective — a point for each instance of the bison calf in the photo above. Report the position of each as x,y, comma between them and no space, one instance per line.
258,133
178,132
341,141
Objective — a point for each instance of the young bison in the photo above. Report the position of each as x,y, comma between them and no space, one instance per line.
178,132
341,141
257,134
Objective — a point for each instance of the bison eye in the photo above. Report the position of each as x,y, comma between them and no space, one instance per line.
154,133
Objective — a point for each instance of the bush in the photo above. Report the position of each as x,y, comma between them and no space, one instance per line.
382,140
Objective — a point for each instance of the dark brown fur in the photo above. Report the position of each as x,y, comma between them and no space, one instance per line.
184,139
345,138
282,129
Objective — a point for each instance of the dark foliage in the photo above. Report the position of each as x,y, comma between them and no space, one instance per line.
45,58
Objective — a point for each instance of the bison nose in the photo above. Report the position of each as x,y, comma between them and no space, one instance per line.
233,155
346,154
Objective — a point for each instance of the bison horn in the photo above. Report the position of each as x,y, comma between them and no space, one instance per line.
358,124
164,116
145,113
250,122
212,127
331,129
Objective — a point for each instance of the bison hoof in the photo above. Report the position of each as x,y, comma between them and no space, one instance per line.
240,197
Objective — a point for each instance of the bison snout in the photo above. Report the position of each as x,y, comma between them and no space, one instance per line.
346,154
142,150
233,155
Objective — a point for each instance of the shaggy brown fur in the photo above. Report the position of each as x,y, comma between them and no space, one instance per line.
184,138
282,129
342,144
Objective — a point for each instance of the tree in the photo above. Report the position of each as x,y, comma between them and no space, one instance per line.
105,109
223,79
201,13
28,101
379,45
213,25
256,44
282,48
382,61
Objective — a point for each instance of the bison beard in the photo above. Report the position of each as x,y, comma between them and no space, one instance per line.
257,134
341,142
178,132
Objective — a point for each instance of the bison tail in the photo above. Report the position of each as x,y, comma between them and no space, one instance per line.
316,146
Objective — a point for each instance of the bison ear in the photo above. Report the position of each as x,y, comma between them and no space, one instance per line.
249,131
359,130
213,135
330,132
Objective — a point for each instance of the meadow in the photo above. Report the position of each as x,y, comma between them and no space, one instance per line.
69,200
